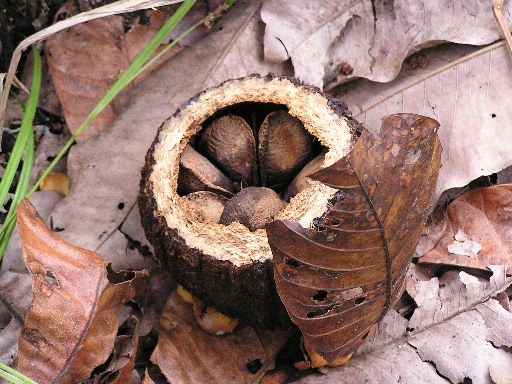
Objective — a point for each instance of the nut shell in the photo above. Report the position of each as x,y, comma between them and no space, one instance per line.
229,267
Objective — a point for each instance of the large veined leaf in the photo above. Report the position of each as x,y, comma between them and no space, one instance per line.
72,325
340,277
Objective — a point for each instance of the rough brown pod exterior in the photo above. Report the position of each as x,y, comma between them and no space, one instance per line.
228,266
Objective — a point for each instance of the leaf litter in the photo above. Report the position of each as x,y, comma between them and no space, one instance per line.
161,102
81,287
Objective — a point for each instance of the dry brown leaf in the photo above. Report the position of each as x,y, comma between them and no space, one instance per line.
15,300
339,278
457,334
188,355
44,201
231,50
86,60
466,93
72,324
120,369
374,37
476,231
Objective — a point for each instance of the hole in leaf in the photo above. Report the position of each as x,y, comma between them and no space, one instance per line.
292,263
317,224
51,279
120,206
493,115
254,366
408,329
320,295
359,300
365,335
335,221
319,312
339,196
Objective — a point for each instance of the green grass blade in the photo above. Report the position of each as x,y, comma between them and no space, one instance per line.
14,376
21,140
21,190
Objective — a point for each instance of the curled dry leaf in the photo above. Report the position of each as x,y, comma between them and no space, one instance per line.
188,355
476,231
325,40
340,277
455,334
121,367
72,324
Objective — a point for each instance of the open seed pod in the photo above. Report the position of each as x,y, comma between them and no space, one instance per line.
229,267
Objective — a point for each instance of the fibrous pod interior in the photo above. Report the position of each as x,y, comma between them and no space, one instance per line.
259,132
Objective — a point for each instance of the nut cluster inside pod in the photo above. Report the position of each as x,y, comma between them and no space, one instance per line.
232,159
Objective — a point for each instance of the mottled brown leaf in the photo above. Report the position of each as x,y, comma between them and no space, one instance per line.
475,231
72,324
341,276
188,355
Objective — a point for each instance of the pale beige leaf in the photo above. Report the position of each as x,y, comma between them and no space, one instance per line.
469,98
107,168
374,37
459,348
500,374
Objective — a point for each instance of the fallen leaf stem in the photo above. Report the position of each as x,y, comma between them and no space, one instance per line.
497,10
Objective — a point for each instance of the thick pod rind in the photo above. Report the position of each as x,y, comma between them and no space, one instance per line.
229,267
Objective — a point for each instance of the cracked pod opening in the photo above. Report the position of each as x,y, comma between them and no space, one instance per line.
230,160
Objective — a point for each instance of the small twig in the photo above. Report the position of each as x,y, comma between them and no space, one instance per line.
497,10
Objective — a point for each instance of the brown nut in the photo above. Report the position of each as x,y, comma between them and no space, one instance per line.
197,173
207,206
300,181
229,142
284,147
253,207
